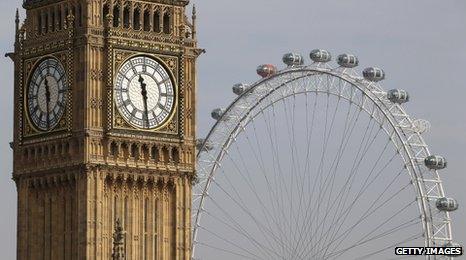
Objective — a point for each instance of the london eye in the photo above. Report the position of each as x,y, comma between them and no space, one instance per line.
318,162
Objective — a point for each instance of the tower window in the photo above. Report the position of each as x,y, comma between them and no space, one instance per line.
145,152
154,153
176,155
165,154
166,23
146,20
52,18
80,16
39,22
105,12
124,148
114,149
137,20
116,16
156,23
46,23
126,17
59,19
134,151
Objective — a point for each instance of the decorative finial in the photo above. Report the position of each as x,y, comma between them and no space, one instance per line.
194,17
118,242
17,20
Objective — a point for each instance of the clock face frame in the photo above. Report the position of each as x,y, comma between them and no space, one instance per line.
46,94
145,93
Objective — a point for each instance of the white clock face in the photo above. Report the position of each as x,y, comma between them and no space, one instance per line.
46,96
144,92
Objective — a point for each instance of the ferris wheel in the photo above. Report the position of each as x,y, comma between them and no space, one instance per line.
315,162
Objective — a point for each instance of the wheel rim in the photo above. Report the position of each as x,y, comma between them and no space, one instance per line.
369,97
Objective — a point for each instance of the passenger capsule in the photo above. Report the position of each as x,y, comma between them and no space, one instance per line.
347,60
217,113
318,55
266,70
202,145
398,96
446,204
240,88
373,74
293,59
435,162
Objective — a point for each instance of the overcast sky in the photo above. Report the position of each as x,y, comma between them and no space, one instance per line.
421,44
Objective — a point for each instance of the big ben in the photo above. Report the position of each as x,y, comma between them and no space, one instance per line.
104,133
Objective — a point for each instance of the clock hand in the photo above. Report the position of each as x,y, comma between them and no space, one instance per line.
144,98
47,101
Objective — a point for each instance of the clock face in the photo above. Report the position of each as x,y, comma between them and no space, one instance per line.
46,95
144,93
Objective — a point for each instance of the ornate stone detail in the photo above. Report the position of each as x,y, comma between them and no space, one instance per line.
118,242
97,74
189,113
28,130
96,103
64,167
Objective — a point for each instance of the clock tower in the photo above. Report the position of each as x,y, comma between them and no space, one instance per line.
104,132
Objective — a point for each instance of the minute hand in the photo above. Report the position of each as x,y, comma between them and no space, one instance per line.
47,101
144,99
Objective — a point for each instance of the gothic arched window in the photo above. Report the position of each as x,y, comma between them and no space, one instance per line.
156,23
52,20
126,17
80,16
59,19
166,23
154,153
116,16
137,19
105,12
146,20
46,23
39,22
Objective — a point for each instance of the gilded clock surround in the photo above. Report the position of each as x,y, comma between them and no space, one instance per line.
171,64
75,181
63,123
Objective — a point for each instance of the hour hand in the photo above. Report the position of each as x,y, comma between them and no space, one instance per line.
47,100
144,98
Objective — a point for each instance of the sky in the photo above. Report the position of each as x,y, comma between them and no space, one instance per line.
421,45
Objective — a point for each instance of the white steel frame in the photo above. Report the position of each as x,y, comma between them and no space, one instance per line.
344,83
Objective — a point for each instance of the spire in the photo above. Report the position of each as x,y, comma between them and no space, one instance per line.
17,21
194,17
118,242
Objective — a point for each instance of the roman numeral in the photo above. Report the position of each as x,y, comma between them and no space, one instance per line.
121,89
162,107
126,102
155,117
163,81
35,109
133,67
61,77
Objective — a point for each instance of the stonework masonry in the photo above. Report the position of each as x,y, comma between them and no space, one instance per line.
75,180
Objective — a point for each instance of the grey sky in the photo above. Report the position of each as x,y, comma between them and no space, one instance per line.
421,44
